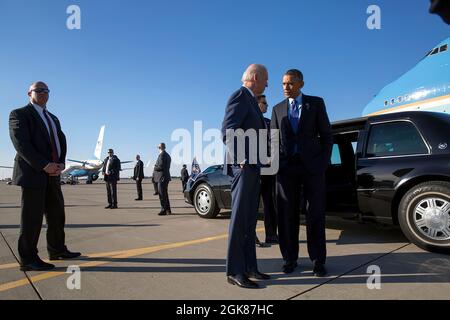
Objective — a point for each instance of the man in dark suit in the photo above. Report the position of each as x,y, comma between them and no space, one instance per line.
305,150
242,114
184,177
138,176
268,187
162,177
111,172
41,151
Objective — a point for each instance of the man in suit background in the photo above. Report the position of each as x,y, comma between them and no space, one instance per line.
184,177
111,172
162,177
268,187
305,150
41,151
138,176
242,113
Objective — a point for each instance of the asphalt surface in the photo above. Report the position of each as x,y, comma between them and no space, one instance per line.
132,253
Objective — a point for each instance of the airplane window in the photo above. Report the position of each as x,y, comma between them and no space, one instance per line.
443,48
399,99
392,101
435,50
386,103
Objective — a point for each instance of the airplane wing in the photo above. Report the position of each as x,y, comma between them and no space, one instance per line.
82,162
122,162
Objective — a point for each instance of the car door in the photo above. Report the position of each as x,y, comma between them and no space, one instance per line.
340,175
390,150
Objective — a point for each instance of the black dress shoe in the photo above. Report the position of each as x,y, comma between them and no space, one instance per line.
113,207
289,267
242,281
108,207
156,193
257,275
319,270
162,213
37,265
138,199
64,255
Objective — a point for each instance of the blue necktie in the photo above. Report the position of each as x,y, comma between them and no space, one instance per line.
294,115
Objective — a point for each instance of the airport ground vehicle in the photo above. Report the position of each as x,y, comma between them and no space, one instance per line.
393,167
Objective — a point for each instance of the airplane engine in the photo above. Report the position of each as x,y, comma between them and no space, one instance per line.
94,177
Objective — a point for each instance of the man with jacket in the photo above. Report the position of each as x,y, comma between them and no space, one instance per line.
138,176
111,172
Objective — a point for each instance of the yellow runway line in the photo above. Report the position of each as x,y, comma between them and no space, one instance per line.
115,254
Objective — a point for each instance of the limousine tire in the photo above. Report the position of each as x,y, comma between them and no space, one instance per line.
424,216
205,203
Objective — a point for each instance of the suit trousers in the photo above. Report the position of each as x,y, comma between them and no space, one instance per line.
297,191
37,202
241,257
164,195
139,188
111,190
268,197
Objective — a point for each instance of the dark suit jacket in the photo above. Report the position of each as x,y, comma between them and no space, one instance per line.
314,137
114,171
31,140
184,174
161,172
139,171
242,112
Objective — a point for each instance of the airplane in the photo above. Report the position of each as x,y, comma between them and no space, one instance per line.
87,168
426,87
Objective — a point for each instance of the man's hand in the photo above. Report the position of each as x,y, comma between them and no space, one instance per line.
51,168
54,169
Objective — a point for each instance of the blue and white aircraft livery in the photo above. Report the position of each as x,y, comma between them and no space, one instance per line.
426,87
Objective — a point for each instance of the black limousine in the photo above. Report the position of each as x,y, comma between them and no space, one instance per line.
393,167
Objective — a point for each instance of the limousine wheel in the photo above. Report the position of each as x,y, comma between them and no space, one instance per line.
424,215
204,202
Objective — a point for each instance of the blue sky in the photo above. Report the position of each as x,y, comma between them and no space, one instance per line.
145,68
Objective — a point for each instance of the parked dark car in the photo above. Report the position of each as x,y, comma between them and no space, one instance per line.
393,167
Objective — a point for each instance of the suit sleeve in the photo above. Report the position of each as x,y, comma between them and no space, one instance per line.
326,136
21,139
158,164
235,114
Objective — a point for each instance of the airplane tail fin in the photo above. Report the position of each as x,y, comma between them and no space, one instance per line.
99,145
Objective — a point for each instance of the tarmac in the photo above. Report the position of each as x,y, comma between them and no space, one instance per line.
132,253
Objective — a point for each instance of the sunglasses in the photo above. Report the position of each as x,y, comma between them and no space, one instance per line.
41,90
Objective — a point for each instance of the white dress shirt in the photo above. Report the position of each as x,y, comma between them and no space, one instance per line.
40,110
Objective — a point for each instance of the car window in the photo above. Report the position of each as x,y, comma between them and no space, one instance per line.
211,169
394,139
336,155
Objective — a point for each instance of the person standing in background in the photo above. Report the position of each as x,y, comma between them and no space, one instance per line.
111,172
138,176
